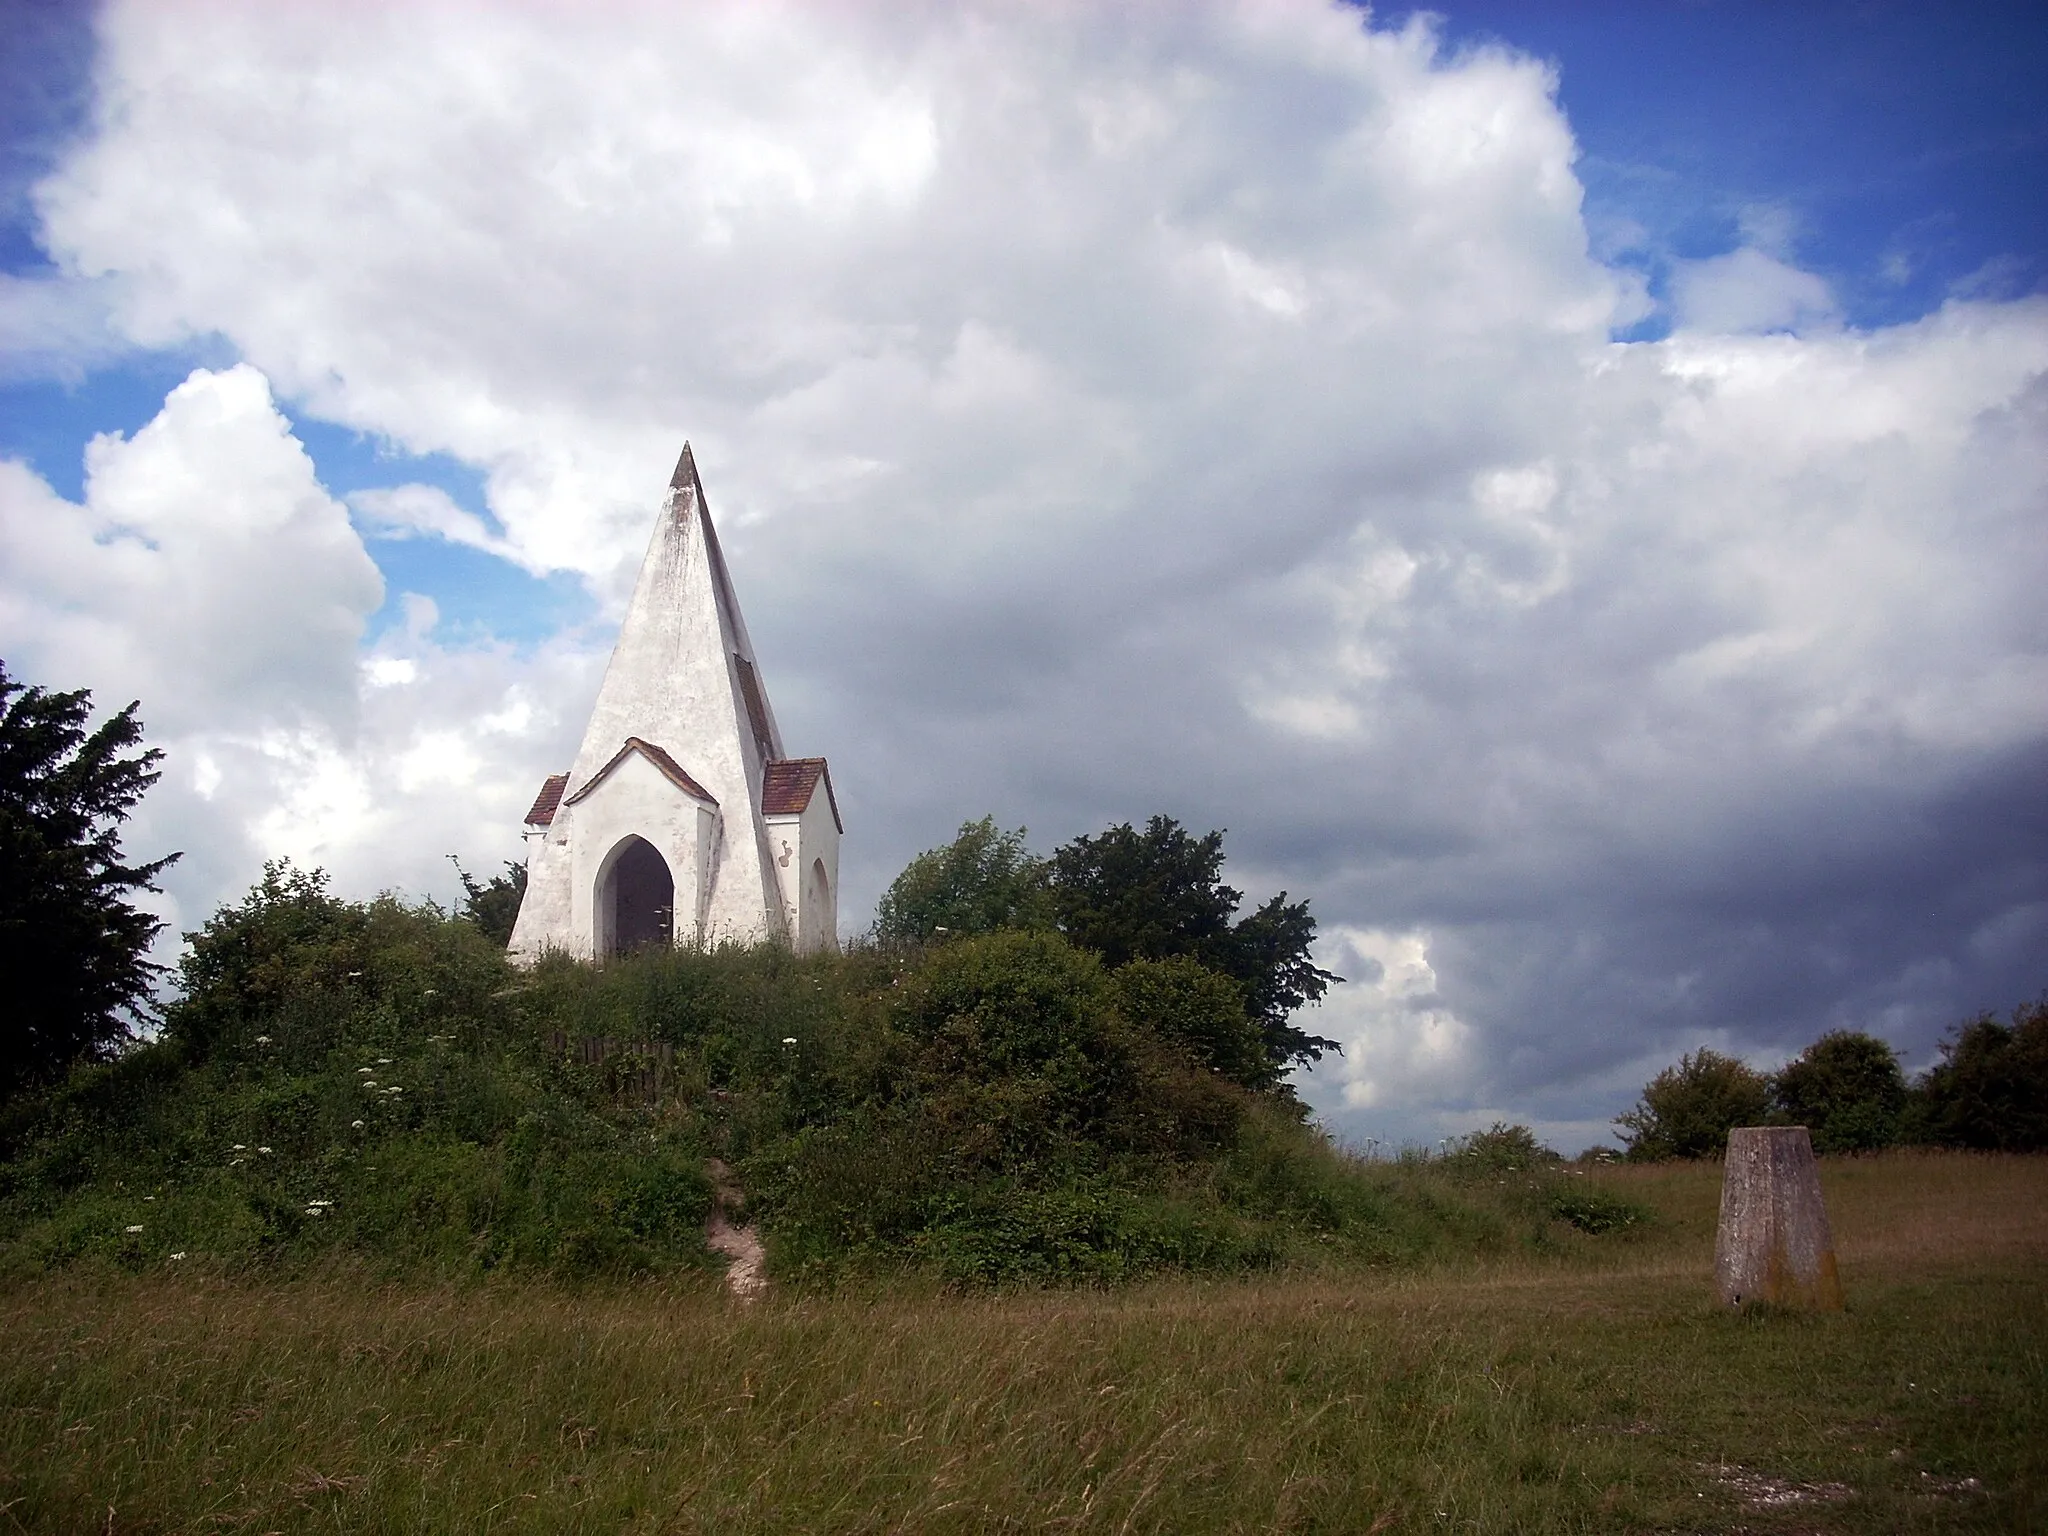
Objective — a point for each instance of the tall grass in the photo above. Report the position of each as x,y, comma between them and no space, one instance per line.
1587,1390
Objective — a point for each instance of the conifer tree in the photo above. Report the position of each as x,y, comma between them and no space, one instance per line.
1151,895
73,949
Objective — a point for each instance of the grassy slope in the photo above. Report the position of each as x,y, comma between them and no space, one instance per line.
1590,1388
374,1089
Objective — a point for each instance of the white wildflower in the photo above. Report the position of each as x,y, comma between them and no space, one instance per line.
394,1088
263,1039
179,1255
355,1125
264,1150
238,1147
789,1039
364,1071
383,1061
369,1082
133,1229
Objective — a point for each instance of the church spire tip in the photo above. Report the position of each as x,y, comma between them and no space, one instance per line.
686,470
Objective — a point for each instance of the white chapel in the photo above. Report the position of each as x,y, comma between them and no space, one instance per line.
681,821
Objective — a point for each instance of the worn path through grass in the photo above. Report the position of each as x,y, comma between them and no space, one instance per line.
1589,1395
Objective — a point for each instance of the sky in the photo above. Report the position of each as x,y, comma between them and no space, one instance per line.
1562,486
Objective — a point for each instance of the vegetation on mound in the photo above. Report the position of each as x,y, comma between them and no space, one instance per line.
375,1078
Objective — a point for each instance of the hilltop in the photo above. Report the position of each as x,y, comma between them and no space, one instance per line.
376,1080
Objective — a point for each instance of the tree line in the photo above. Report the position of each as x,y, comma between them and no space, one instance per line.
1988,1091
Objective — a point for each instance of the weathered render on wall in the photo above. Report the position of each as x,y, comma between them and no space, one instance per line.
681,743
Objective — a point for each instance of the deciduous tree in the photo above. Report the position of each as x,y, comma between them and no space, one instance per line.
1847,1089
1990,1088
985,879
1688,1110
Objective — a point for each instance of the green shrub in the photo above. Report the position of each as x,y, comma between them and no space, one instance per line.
1198,1010
1502,1148
1595,1211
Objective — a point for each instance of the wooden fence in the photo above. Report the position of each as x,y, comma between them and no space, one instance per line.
652,1069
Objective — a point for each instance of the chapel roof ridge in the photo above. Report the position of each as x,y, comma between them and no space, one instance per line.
667,766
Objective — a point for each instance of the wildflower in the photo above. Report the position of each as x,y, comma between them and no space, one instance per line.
263,1039
364,1071
149,1199
264,1150
355,973
355,1125
428,993
789,1039
133,1229
369,1083
179,1255
238,1147
394,1088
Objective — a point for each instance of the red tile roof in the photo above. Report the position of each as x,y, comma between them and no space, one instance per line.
548,800
788,783
670,769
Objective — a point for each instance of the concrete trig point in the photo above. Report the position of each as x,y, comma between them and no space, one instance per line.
1773,1244
681,822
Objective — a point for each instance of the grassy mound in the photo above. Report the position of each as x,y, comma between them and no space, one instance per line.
376,1080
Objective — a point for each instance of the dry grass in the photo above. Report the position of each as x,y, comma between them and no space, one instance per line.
1581,1394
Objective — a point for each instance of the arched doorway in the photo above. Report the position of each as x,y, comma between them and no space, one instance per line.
637,898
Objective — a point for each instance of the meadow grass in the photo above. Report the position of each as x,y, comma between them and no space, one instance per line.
1585,1388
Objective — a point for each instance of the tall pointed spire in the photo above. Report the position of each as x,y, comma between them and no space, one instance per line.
683,689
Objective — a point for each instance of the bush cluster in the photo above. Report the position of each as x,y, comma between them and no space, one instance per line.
1989,1091
376,1079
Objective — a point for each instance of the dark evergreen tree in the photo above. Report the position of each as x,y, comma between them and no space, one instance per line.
493,904
1159,893
73,949
1847,1089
